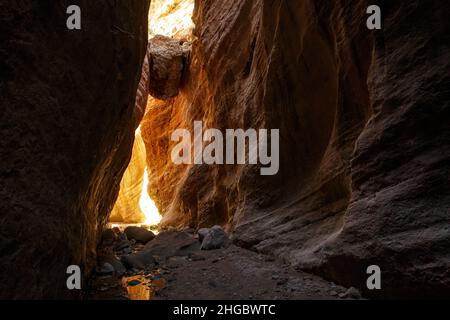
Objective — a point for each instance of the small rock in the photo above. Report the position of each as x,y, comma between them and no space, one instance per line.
111,259
333,293
141,235
108,236
202,233
105,268
351,293
122,245
123,236
138,261
127,250
116,230
216,238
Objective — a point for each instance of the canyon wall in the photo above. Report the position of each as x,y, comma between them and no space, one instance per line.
67,129
399,213
314,70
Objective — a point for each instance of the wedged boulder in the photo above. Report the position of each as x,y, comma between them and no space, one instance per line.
167,60
214,238
140,235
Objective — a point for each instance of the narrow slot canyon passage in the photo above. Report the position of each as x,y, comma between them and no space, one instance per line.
196,231
141,259
222,149
171,19
137,259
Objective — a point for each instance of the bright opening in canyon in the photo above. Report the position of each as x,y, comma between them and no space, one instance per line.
172,19
134,204
135,147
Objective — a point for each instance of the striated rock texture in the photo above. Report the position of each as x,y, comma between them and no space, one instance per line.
67,127
399,212
293,66
313,70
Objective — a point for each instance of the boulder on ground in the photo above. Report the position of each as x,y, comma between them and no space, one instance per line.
172,243
140,235
202,233
108,236
215,238
109,258
105,268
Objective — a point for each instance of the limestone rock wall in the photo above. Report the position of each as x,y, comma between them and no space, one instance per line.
399,213
298,72
363,176
67,128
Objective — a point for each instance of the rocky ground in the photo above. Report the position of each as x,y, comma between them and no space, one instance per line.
136,264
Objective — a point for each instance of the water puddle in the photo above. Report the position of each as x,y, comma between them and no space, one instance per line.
143,287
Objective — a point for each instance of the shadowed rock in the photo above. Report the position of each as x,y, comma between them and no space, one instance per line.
167,60
172,243
67,125
214,238
141,235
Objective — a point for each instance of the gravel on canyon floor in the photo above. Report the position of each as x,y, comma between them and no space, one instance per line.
189,273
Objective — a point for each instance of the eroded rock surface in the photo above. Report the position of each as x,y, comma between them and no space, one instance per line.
399,213
67,127
313,70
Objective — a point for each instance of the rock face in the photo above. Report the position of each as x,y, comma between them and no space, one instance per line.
399,213
141,235
67,127
249,74
214,238
363,176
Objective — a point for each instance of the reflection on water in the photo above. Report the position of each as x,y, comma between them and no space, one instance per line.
142,287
